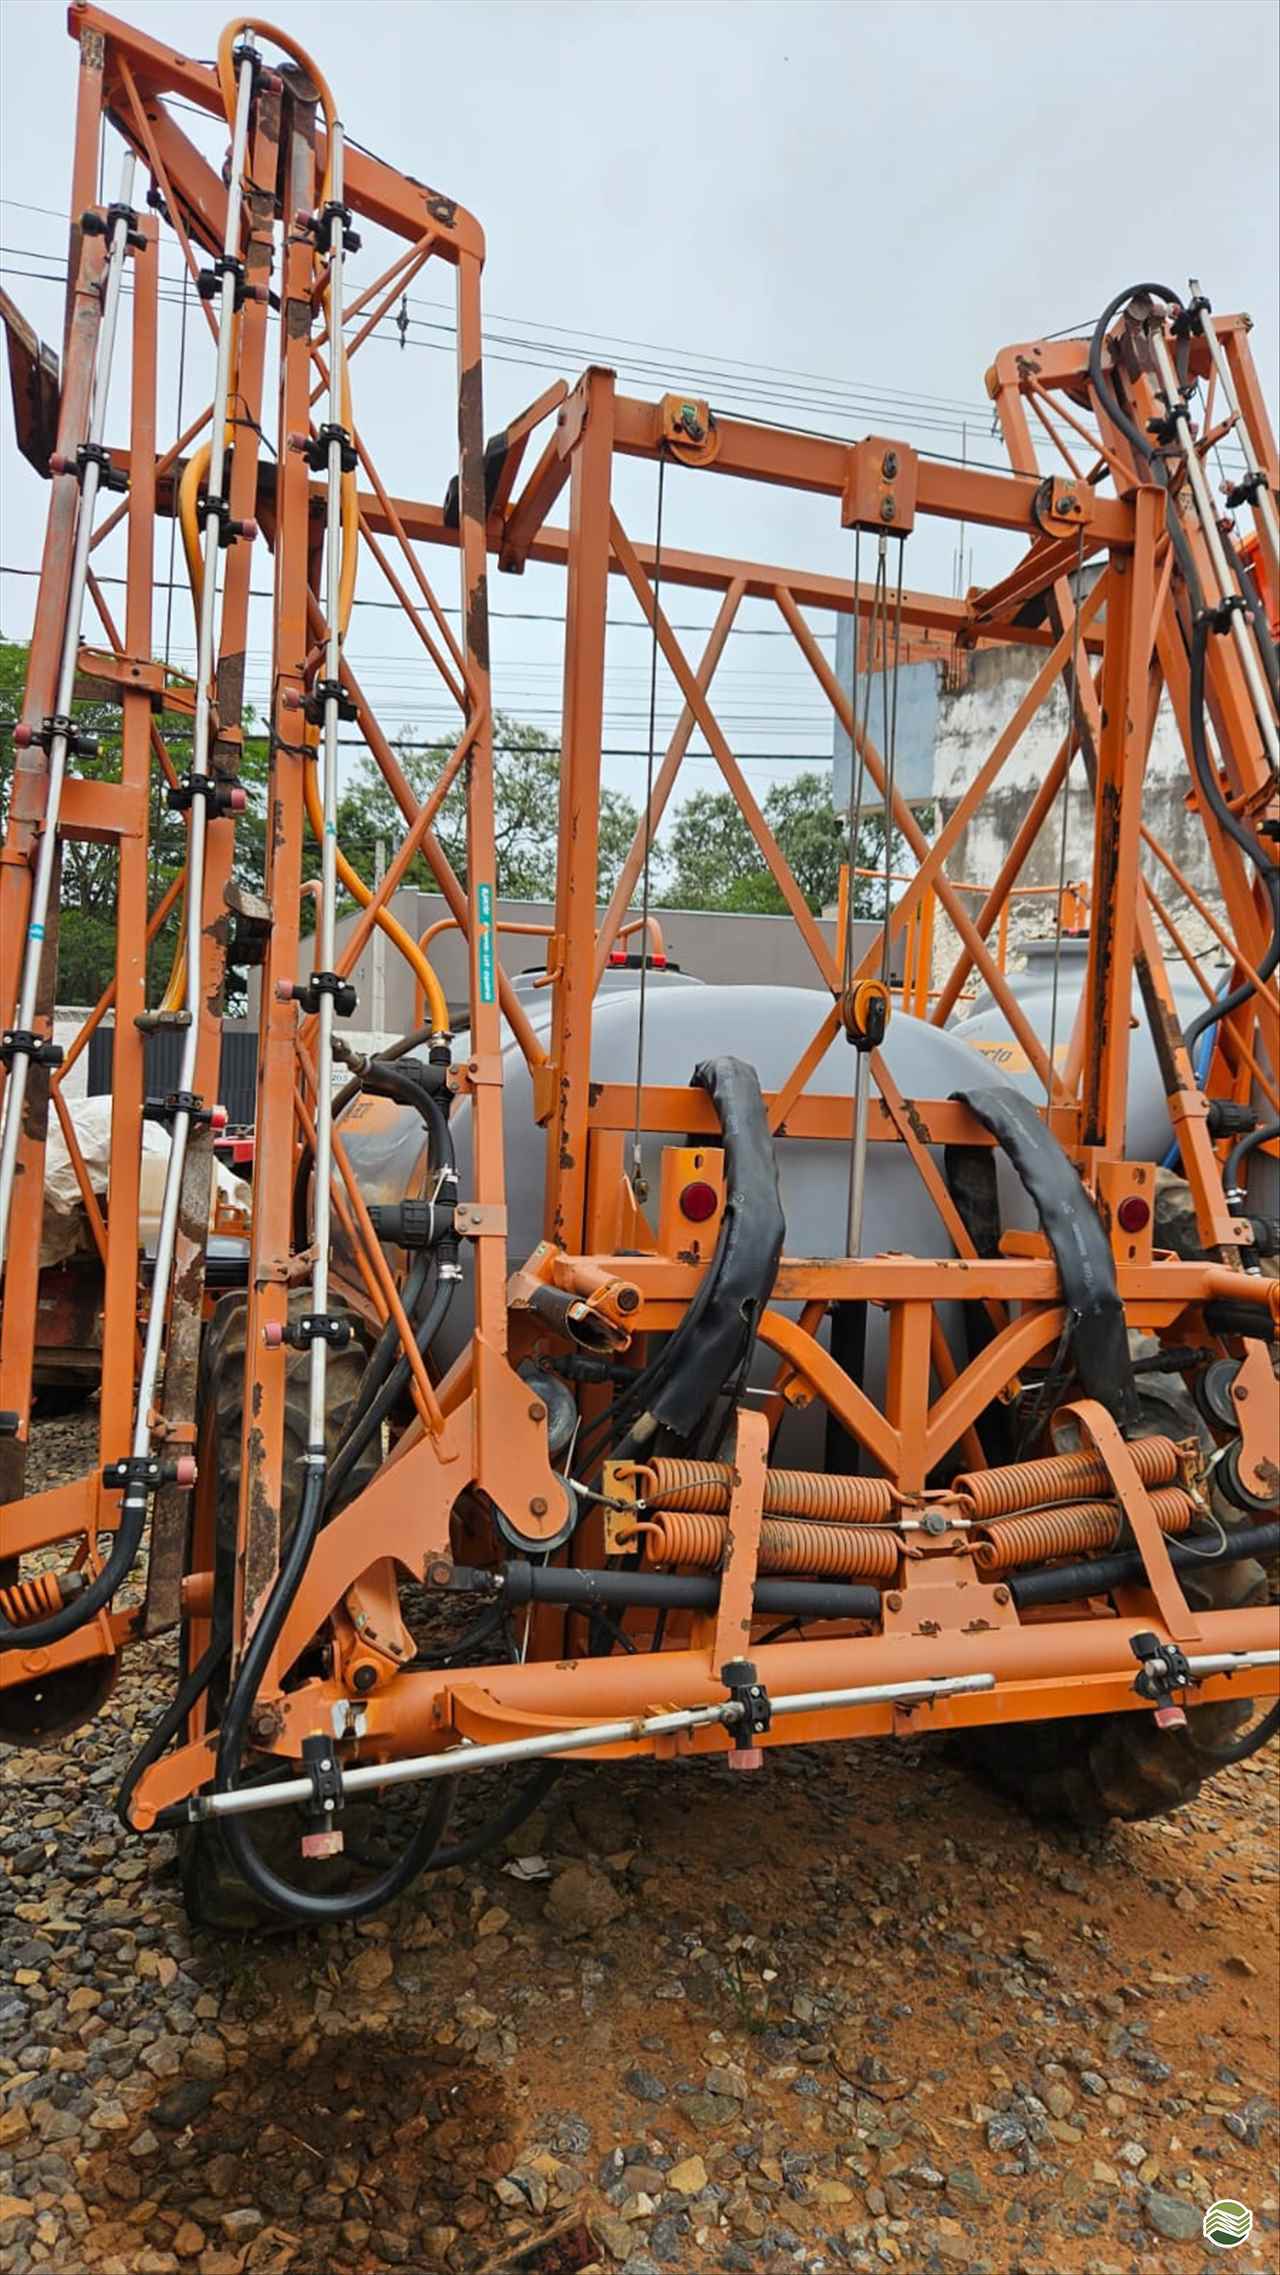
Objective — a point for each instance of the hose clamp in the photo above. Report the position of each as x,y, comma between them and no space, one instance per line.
230,526
327,691
21,1042
222,797
331,1327
1218,619
188,1102
43,737
333,220
316,451
87,454
308,993
101,225
139,1474
1248,490
210,280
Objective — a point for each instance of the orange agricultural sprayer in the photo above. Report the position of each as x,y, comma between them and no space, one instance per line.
643,1367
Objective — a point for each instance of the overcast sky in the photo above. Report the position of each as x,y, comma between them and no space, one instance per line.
840,211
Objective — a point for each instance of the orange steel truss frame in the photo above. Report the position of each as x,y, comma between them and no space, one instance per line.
476,1437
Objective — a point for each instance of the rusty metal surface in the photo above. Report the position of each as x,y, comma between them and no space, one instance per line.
34,384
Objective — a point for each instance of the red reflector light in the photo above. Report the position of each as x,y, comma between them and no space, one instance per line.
699,1201
1133,1213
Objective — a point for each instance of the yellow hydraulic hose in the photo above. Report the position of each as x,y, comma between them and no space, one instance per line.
193,474
395,932
188,513
229,40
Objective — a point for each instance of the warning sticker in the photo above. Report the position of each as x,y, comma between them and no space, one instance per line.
484,937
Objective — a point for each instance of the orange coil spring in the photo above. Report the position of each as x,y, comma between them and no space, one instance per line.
1062,1477
32,1599
704,1485
697,1537
1070,1531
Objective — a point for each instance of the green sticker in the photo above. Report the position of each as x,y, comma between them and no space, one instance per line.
484,923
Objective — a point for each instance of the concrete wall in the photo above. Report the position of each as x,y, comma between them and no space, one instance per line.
969,721
729,951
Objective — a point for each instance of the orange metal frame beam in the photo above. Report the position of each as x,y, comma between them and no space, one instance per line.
480,1428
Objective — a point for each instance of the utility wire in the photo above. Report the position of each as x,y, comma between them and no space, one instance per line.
742,385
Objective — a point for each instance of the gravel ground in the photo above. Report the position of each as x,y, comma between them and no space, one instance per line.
851,2013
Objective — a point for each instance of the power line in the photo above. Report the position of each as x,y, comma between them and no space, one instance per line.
713,359
740,383
508,615
972,408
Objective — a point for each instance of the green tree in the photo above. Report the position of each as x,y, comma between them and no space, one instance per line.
526,799
87,887
714,862
86,898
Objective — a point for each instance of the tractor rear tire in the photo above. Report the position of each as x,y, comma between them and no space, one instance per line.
1096,1769
215,1896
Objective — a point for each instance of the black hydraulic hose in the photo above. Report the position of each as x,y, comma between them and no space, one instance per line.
416,1088
190,1690
365,1425
1258,616
343,1098
387,1374
410,1089
1206,775
1066,1583
34,1634
502,1824
401,1048
1233,1169
1096,1327
715,1335
303,1903
383,1355
679,1386
1239,1749
1211,790
583,1589
1120,418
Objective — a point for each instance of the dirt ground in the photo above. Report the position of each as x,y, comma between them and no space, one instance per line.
849,2013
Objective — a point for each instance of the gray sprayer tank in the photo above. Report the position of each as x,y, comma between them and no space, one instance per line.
986,1031
685,1023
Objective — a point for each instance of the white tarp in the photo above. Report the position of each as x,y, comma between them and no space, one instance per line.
65,1230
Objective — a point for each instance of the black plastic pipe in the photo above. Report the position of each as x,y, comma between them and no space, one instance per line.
1064,1583
666,1591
